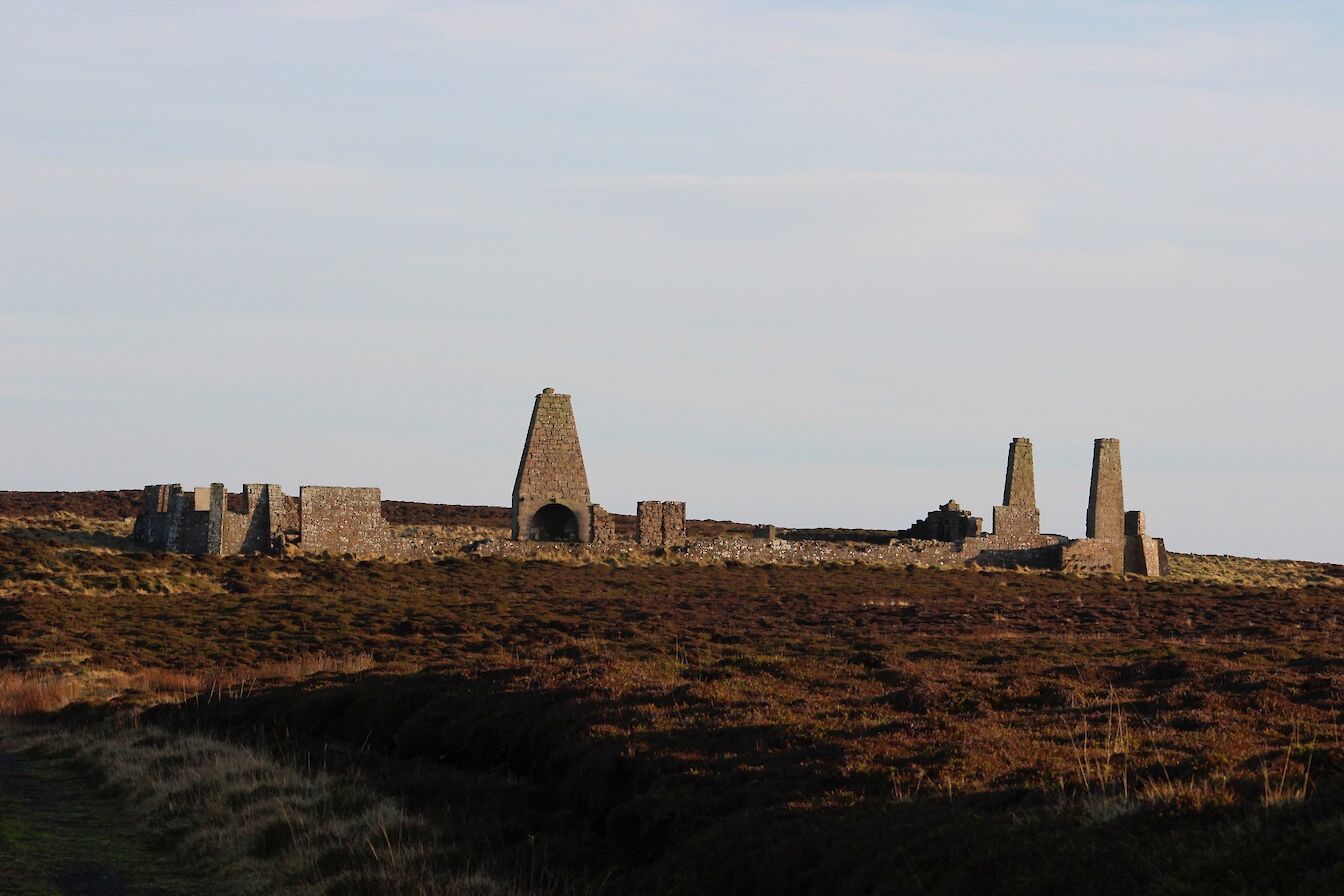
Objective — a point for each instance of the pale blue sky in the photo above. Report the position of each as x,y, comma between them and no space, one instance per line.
807,263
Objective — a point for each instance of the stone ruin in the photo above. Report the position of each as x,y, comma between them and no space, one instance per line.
948,523
324,519
1116,541
551,500
200,521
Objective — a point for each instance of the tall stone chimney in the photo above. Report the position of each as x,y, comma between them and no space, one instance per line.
1106,501
1018,517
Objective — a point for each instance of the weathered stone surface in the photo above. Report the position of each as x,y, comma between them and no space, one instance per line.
200,522
674,524
603,531
1106,499
1016,522
1091,555
660,524
345,521
649,523
1019,487
151,523
550,494
766,531
1135,524
1142,555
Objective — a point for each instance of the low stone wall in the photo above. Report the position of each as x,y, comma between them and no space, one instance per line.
1092,555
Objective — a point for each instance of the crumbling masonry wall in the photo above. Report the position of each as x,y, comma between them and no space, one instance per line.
660,524
603,526
151,523
199,521
551,476
948,523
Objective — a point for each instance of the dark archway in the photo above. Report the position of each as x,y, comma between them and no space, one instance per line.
554,522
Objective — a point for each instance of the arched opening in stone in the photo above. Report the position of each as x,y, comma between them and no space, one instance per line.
554,522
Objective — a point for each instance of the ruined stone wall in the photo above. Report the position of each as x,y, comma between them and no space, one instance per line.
1142,555
188,526
346,521
674,524
152,521
1106,498
1091,555
551,470
268,513
660,524
218,510
948,523
649,524
201,522
603,526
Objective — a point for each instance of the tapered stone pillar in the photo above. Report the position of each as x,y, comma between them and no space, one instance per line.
1018,516
1106,501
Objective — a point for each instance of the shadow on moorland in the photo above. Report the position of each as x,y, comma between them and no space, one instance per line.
520,775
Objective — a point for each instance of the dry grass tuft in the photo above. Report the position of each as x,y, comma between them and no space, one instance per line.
25,693
60,681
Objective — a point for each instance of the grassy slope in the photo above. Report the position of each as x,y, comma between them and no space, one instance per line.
764,730
241,822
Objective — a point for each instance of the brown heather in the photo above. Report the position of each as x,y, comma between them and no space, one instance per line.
742,729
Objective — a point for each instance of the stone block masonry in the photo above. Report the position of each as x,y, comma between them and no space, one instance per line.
1092,555
151,523
603,531
336,520
660,524
346,521
551,501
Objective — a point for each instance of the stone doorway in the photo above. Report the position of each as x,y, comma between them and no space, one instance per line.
554,522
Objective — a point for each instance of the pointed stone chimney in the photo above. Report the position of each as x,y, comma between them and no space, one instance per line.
1018,517
550,496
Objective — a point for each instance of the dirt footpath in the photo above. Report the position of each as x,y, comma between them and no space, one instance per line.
59,837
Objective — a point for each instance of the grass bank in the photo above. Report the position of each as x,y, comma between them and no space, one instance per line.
252,824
